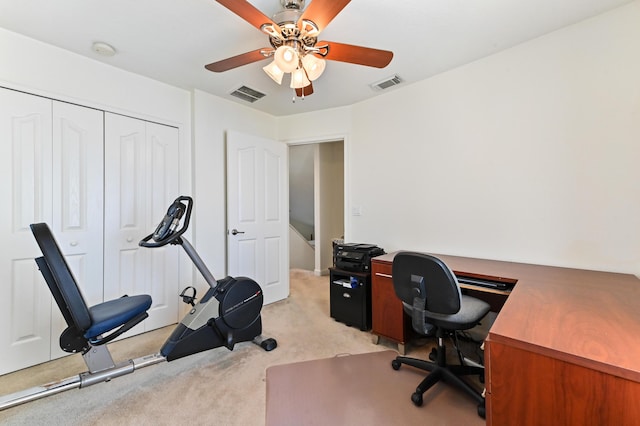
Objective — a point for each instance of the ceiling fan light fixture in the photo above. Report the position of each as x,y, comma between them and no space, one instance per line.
299,79
273,71
286,58
314,66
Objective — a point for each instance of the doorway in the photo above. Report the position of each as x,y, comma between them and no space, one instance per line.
316,203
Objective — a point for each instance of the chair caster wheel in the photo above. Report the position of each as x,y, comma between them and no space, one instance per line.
269,344
395,364
266,344
481,410
416,398
433,355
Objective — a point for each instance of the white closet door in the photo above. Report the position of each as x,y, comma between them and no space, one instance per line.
77,221
102,182
25,166
141,179
125,264
163,284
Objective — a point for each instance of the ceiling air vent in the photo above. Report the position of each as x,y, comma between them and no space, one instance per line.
386,83
247,94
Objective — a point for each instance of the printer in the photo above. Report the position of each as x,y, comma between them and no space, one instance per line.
355,257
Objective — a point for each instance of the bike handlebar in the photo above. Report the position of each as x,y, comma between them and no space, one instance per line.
167,231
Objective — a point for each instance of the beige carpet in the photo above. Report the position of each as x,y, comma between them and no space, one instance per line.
217,387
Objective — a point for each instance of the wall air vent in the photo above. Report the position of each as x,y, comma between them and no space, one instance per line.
247,94
394,80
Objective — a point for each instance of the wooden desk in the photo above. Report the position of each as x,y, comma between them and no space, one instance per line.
565,347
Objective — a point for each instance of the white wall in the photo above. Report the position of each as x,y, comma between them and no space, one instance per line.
528,155
213,117
45,70
329,171
301,254
320,126
301,205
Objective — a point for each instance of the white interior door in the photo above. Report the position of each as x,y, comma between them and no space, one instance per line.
258,213
25,166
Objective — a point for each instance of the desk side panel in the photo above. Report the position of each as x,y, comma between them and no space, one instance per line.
387,315
527,388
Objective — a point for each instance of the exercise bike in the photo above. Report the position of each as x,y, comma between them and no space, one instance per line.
227,314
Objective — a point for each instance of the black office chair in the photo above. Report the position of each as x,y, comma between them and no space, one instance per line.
430,293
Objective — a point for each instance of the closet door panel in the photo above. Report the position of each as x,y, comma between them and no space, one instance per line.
141,180
25,166
78,163
162,142
125,263
77,223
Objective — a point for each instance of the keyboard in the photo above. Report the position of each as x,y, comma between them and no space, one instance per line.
484,283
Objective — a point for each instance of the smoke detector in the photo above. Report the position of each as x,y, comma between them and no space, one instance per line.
103,49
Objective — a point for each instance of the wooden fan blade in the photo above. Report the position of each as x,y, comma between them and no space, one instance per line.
248,12
321,12
356,54
236,61
305,91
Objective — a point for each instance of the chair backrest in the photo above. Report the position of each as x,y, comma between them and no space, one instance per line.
427,277
60,280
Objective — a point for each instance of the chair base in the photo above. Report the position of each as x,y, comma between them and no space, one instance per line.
440,371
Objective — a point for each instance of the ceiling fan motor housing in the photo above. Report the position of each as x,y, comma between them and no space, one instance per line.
292,35
292,4
290,13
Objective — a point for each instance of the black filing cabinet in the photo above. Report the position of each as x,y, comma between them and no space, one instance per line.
350,297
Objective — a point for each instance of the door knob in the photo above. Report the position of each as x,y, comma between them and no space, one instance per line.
236,232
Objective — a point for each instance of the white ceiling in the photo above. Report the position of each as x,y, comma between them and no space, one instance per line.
171,41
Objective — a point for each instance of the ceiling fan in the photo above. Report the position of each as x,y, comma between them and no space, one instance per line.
293,35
